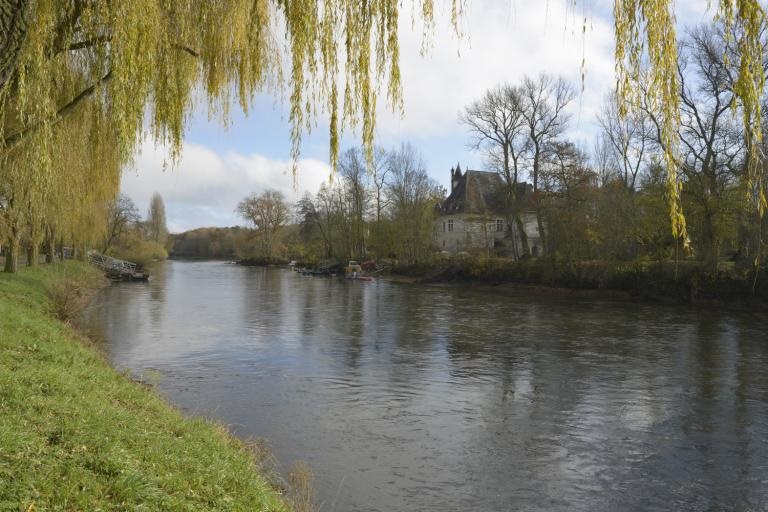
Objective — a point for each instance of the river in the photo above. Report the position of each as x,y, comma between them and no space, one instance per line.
406,397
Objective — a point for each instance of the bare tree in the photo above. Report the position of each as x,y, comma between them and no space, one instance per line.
498,127
712,143
122,214
354,177
627,140
379,172
268,212
413,195
603,161
545,99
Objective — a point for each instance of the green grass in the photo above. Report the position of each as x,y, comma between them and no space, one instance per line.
77,435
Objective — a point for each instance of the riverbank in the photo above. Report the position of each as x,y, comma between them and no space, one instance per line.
685,282
77,435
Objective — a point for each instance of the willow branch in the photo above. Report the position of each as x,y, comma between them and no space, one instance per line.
187,49
89,43
13,22
14,139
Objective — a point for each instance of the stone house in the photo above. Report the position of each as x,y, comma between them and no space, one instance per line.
473,217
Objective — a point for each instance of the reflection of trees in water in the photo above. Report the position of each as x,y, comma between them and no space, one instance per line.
323,312
718,413
350,327
575,394
161,274
416,321
562,401
261,292
308,308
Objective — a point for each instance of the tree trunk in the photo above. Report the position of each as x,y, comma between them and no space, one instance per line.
13,26
33,254
526,248
542,232
12,252
50,250
710,243
537,201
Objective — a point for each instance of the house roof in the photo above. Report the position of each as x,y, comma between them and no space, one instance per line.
476,192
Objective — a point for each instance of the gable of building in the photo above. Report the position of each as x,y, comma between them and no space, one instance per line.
478,192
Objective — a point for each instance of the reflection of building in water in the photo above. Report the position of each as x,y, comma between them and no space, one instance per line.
476,215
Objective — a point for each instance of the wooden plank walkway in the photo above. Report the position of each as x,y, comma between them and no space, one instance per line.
117,270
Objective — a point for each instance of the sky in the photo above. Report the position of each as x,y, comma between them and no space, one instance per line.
506,40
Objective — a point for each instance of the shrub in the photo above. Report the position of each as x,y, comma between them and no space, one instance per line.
68,297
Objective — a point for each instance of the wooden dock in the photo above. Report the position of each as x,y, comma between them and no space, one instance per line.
117,270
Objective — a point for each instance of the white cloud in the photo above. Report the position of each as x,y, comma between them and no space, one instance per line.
507,40
205,186
689,12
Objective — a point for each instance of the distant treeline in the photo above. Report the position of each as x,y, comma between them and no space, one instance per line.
215,243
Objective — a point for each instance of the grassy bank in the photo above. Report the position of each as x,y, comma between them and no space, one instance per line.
684,282
77,435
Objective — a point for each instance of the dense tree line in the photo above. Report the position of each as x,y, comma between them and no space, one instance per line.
371,209
215,243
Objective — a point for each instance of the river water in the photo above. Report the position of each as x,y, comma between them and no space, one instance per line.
405,397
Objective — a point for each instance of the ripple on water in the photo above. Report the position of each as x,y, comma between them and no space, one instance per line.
419,398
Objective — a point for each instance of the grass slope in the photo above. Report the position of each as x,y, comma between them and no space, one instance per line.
77,435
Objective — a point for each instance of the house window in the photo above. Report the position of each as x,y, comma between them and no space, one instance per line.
443,226
443,243
450,226
499,225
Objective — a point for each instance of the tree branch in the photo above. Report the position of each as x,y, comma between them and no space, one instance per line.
187,49
88,43
14,139
13,22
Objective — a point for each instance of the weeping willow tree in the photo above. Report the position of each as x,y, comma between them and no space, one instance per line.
65,200
84,82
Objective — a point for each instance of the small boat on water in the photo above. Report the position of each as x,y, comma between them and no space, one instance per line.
355,271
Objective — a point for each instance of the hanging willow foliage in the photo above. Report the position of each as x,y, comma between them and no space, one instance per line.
646,45
119,72
745,21
645,33
143,61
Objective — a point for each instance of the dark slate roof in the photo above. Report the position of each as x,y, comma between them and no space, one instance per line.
478,192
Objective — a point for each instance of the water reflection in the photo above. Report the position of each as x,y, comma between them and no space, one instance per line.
438,398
